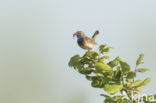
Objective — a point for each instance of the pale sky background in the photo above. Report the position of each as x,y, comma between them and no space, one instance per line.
36,44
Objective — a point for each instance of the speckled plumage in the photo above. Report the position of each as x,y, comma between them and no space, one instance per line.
84,41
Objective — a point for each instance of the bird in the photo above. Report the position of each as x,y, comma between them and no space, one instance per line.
85,42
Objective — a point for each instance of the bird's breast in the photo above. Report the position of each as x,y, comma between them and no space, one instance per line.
89,46
80,40
86,45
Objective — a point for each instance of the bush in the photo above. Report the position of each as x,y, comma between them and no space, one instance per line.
113,76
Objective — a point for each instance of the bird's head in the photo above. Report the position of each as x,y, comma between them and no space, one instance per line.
79,34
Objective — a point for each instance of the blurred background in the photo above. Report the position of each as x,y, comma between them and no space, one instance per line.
36,44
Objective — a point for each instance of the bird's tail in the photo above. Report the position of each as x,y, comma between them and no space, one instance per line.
95,35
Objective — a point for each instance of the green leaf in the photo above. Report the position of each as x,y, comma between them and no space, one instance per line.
99,82
117,70
124,100
105,57
108,99
117,75
102,67
125,67
103,49
93,78
96,83
91,55
139,60
106,96
106,50
134,84
131,75
112,88
74,61
89,77
86,70
115,62
109,75
143,84
102,46
142,70
117,98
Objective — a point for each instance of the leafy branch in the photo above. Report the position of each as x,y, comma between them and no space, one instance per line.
113,76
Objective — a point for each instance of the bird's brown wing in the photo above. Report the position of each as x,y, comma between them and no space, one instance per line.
89,40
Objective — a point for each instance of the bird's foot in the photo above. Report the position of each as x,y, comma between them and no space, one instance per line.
88,50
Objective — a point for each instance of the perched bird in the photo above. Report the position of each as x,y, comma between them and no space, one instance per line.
84,41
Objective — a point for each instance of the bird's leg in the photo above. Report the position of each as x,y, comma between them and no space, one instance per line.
88,51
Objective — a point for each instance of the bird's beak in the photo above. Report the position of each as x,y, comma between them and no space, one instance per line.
74,34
